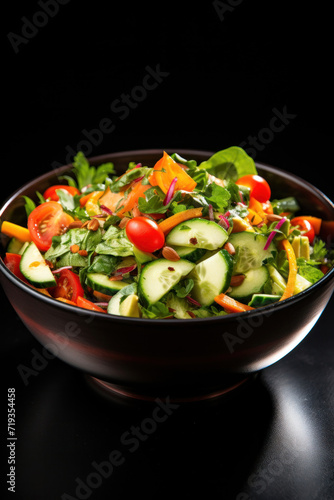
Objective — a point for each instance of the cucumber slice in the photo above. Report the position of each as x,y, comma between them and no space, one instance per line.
159,276
277,280
254,282
211,277
35,269
250,251
103,284
115,301
263,299
14,246
188,253
197,233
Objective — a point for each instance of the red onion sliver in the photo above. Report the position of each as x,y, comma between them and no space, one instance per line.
193,301
106,209
138,165
102,304
170,192
139,178
211,212
61,269
273,233
124,270
226,222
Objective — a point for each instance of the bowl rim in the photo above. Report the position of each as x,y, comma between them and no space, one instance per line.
265,310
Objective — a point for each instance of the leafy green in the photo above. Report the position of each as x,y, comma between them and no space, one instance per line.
29,205
104,264
308,270
217,196
208,311
319,250
86,240
131,175
72,259
115,242
184,287
87,174
231,163
158,310
71,205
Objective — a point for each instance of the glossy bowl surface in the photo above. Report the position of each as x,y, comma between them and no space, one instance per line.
181,359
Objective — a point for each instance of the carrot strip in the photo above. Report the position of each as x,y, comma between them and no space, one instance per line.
231,305
293,269
168,224
15,231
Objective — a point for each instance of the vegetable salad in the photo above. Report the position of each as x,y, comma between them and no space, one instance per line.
174,240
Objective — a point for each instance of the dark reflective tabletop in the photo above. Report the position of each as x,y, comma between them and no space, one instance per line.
272,438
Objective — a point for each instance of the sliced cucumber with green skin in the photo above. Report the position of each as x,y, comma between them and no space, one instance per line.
197,233
14,246
101,283
211,277
159,276
263,299
188,253
250,251
35,269
254,282
115,301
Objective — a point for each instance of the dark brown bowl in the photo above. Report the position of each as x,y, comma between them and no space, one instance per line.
182,359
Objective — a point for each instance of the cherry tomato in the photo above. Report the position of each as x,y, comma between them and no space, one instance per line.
68,286
145,234
259,187
305,226
12,261
51,194
45,221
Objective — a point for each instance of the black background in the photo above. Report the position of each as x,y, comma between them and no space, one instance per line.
227,67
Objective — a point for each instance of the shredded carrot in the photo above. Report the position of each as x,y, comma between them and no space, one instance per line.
168,224
231,305
289,289
15,231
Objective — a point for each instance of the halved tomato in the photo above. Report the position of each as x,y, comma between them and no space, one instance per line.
68,286
45,221
51,194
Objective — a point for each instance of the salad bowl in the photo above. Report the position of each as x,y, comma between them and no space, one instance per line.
184,360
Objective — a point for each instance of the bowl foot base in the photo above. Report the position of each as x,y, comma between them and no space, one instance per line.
115,392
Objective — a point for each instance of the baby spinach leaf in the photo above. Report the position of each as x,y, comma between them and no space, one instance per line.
231,163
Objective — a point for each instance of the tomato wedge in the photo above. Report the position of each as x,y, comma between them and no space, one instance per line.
45,221
68,286
51,194
12,261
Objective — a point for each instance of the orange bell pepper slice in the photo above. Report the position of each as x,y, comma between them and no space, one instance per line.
165,170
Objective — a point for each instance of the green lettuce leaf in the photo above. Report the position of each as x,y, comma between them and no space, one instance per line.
231,163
